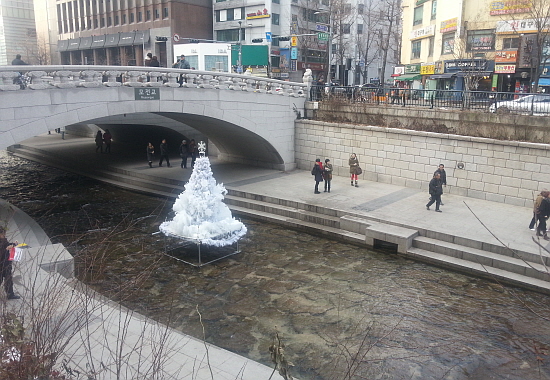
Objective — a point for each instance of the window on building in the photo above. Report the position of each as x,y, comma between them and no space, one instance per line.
218,16
96,24
157,13
434,10
139,17
132,20
275,18
346,28
418,12
431,43
109,21
165,12
124,19
277,1
360,8
220,1
89,23
359,28
148,15
480,40
294,17
230,34
230,15
102,22
216,62
117,21
510,43
415,49
448,43
347,8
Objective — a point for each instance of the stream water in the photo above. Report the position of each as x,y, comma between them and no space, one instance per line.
342,312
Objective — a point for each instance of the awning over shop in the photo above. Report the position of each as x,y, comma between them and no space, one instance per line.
409,77
112,40
474,73
62,45
126,39
98,41
544,81
142,37
85,43
74,43
443,76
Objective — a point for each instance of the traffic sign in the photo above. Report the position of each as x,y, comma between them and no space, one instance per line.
176,37
362,62
293,41
268,36
322,36
321,28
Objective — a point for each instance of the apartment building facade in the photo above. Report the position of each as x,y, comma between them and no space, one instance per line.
120,32
476,44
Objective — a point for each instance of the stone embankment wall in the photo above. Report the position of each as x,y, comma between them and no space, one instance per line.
453,121
502,171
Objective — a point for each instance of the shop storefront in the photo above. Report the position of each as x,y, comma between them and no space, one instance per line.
505,70
411,78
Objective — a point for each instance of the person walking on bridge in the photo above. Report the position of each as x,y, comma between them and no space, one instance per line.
164,153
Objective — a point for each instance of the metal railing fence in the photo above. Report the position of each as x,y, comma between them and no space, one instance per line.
483,101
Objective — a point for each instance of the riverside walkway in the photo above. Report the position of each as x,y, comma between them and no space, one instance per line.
463,218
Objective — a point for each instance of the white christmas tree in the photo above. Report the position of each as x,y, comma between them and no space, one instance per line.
200,212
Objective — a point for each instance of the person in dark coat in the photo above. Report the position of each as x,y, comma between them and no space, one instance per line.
184,153
436,189
193,151
327,174
150,154
353,165
155,62
98,141
317,171
442,175
536,206
543,212
164,153
18,61
107,137
6,265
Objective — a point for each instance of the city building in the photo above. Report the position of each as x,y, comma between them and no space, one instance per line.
18,32
120,32
475,44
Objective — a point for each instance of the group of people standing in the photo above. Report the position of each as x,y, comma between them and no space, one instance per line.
186,150
324,172
103,138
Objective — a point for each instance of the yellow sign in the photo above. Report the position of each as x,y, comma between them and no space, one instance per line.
503,7
449,25
293,41
427,69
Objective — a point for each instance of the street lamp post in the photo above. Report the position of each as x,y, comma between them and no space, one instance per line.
240,61
329,50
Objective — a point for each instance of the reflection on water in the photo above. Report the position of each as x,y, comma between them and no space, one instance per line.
343,312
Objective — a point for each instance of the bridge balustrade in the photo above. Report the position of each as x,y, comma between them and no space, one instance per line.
20,78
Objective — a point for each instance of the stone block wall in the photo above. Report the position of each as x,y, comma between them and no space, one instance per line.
502,171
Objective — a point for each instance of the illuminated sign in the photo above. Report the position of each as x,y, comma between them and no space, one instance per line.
506,56
505,69
449,25
503,7
258,14
427,68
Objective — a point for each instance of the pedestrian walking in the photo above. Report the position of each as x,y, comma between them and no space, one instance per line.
107,137
543,212
184,153
354,169
443,176
155,62
98,141
6,265
536,206
164,153
194,151
150,154
436,189
317,172
327,174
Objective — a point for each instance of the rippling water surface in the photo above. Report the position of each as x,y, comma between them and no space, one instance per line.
343,312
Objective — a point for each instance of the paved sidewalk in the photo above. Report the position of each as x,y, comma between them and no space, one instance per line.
377,200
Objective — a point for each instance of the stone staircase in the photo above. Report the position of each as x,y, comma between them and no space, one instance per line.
454,252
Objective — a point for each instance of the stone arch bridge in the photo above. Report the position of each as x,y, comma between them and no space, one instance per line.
248,119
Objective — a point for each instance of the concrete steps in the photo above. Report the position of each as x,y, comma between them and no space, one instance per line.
462,254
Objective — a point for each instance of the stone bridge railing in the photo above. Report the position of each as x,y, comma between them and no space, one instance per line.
17,78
